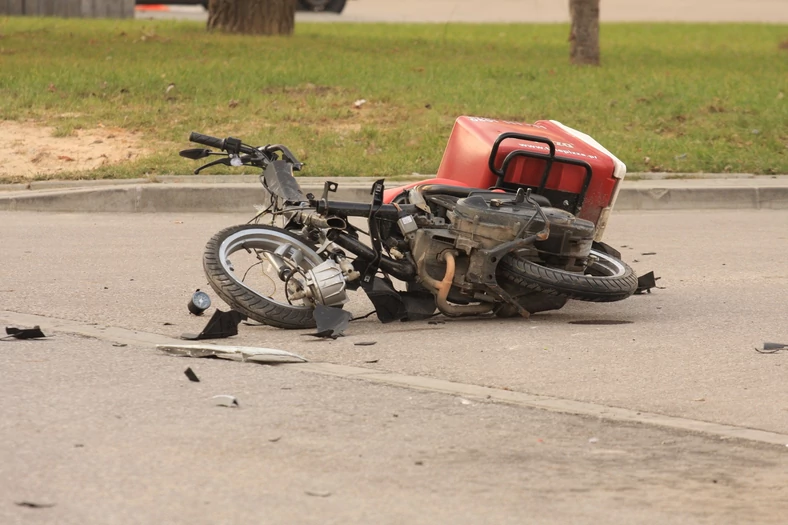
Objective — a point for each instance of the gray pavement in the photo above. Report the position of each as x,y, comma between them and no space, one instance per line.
116,434
119,435
686,351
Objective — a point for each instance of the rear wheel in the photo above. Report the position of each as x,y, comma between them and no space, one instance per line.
606,279
237,262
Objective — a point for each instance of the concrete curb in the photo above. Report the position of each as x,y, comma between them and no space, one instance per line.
180,197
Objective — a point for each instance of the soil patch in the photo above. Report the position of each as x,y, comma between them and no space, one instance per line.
30,150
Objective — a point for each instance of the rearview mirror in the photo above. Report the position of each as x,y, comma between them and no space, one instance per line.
195,153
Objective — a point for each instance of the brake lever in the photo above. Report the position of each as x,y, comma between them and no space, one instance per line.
228,161
225,161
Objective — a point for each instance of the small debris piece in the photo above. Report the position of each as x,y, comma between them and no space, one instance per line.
120,345
34,505
372,361
600,321
325,334
221,325
318,494
593,440
226,401
240,353
23,333
419,463
191,375
331,321
465,401
358,103
648,253
772,348
436,322
646,282
392,305
365,343
274,440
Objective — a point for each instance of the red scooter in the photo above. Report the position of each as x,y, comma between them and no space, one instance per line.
512,225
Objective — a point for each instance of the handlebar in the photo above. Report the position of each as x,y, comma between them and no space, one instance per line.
230,144
235,146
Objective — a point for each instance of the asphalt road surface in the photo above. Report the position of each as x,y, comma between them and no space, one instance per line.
514,11
114,433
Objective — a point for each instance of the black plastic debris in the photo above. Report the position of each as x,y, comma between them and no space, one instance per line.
331,321
221,325
418,305
365,343
191,375
392,305
388,303
34,505
646,282
600,322
772,348
23,333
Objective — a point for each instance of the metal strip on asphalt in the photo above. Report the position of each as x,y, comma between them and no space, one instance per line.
548,403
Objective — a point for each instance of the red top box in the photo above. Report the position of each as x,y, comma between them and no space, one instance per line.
467,156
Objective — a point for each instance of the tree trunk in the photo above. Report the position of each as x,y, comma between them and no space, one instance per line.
252,17
584,37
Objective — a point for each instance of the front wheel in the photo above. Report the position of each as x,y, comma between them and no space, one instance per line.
239,267
606,279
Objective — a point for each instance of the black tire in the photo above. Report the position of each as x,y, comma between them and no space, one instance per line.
239,295
610,278
335,6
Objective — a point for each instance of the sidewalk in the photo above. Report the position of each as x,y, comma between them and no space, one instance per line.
229,193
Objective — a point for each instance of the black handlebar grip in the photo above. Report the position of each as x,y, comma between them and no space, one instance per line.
206,140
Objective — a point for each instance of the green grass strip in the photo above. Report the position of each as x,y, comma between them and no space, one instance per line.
668,97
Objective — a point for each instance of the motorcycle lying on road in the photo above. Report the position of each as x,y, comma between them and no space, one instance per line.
511,226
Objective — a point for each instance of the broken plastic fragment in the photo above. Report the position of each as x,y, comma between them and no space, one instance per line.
241,353
600,321
23,333
221,325
34,505
331,321
191,375
226,401
772,348
646,282
317,493
388,303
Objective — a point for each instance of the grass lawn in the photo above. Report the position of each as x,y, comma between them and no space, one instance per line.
668,97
